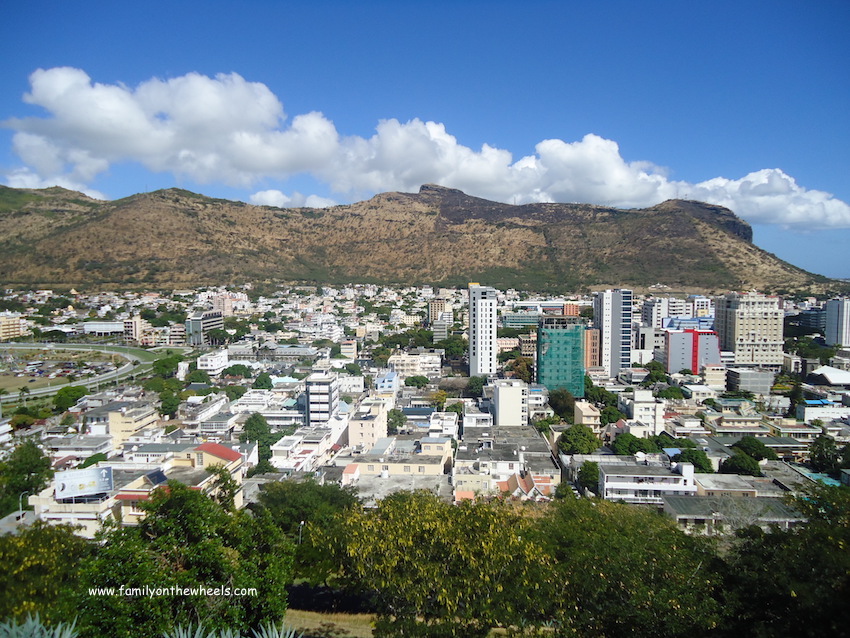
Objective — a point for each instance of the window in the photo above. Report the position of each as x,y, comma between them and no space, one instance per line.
422,469
406,468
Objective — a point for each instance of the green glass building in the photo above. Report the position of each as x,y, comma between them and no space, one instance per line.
560,353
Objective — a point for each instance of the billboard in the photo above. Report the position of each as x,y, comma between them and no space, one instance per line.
92,480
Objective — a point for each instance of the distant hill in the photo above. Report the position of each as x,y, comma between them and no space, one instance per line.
439,235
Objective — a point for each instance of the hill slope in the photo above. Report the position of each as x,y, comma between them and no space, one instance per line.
439,235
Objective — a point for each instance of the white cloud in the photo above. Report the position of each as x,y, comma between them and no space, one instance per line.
296,200
226,129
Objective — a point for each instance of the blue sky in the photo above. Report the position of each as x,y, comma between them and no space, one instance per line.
293,103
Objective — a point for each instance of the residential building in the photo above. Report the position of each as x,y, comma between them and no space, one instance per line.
591,348
510,402
436,307
368,424
751,327
322,397
11,326
482,330
213,363
560,353
421,362
348,349
120,420
759,382
612,314
645,484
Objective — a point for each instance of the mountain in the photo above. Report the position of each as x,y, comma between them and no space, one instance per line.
56,237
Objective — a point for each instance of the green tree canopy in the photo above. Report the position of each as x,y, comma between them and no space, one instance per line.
263,382
628,443
27,469
588,475
755,448
416,381
68,396
475,385
187,540
740,463
579,439
823,454
697,457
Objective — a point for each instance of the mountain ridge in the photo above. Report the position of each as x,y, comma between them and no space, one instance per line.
438,235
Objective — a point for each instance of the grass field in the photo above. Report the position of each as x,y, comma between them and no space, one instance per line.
342,625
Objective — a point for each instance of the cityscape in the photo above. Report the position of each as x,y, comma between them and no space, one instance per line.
424,319
712,411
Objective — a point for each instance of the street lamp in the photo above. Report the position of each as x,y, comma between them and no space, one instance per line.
300,527
20,504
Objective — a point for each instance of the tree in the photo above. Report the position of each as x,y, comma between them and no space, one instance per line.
353,369
588,475
698,458
263,382
438,399
622,571
237,370
167,366
628,443
198,376
740,463
755,448
40,571
823,454
187,541
258,429
475,386
563,403
579,439
522,368
395,421
168,403
26,470
414,554
416,381
68,396
799,577
610,414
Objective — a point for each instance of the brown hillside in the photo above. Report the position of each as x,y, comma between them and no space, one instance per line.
439,235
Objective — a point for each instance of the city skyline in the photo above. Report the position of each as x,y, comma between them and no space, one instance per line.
613,104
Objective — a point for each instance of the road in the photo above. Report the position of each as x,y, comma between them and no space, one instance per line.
138,362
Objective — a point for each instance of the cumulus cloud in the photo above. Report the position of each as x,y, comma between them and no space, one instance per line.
227,129
296,200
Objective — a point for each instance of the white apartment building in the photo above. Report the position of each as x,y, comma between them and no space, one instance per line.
640,405
751,327
645,484
510,402
483,326
322,397
411,364
612,315
214,362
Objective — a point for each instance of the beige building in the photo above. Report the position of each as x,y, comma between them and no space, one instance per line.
11,327
120,420
368,424
751,327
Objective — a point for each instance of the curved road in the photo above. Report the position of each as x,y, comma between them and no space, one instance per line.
138,361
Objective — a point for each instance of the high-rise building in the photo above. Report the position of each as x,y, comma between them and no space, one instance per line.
482,330
751,327
436,307
612,314
838,322
560,353
322,397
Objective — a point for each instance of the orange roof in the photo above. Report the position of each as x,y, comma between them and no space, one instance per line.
219,451
464,495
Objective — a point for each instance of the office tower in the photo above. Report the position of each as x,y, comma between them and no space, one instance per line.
198,325
612,314
436,307
837,330
560,353
750,326
482,330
